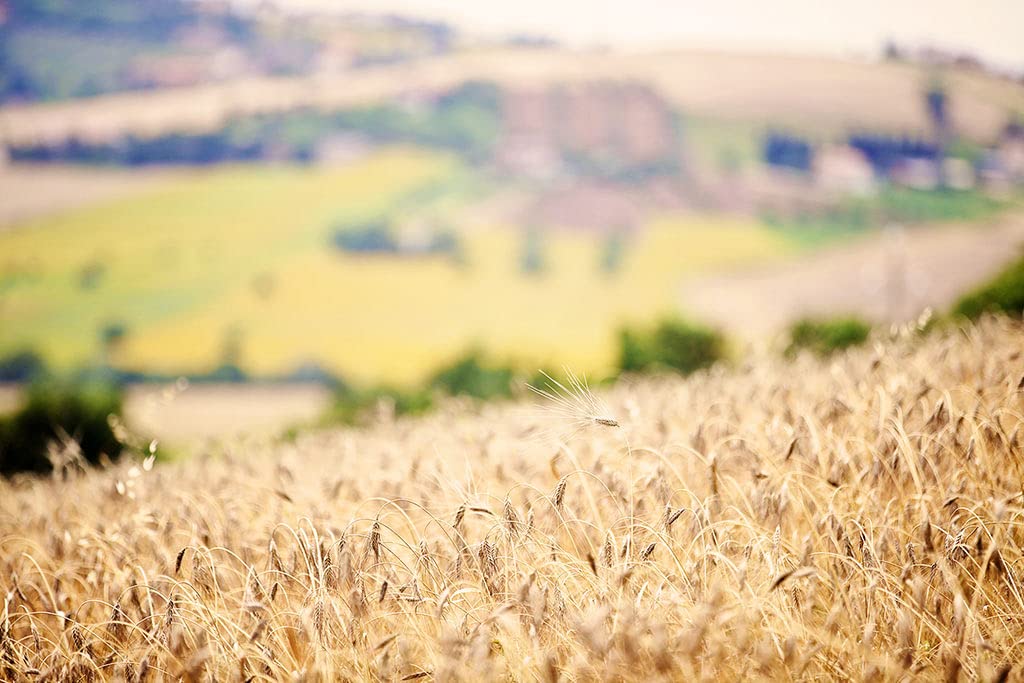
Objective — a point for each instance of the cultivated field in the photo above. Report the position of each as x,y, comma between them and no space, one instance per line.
242,256
857,518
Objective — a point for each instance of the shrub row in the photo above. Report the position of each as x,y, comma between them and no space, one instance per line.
470,375
670,345
826,336
75,415
1002,294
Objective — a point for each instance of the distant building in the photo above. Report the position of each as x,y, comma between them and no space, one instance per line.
958,173
893,157
786,151
1011,151
843,169
1002,167
916,173
992,173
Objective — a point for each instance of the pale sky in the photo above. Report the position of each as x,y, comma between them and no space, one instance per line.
993,29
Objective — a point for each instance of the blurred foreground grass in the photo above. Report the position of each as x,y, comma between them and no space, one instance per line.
852,518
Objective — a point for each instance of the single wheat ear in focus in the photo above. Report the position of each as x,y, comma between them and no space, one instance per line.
575,403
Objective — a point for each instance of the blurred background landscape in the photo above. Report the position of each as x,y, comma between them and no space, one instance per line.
248,214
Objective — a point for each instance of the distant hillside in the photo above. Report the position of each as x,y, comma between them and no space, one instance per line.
818,96
60,49
63,48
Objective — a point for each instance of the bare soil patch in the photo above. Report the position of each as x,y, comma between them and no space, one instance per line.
887,276
200,413
221,411
29,191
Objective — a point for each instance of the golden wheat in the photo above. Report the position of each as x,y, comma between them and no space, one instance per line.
860,517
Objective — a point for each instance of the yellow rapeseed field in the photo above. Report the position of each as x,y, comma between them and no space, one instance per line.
856,518
172,251
398,319
241,257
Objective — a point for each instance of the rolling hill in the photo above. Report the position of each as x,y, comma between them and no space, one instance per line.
808,93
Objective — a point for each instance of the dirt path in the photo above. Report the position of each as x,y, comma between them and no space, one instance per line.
888,276
187,417
29,191
221,411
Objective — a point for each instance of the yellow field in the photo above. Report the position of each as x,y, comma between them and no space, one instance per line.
244,253
381,318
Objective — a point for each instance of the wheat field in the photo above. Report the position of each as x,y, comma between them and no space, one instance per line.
853,518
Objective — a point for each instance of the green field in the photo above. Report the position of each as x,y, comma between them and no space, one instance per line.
238,260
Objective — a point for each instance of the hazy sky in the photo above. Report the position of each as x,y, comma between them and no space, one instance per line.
993,29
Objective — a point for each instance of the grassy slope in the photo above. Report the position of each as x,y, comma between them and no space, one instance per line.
853,518
182,263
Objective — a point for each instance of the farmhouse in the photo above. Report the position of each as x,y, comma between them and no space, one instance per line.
844,169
